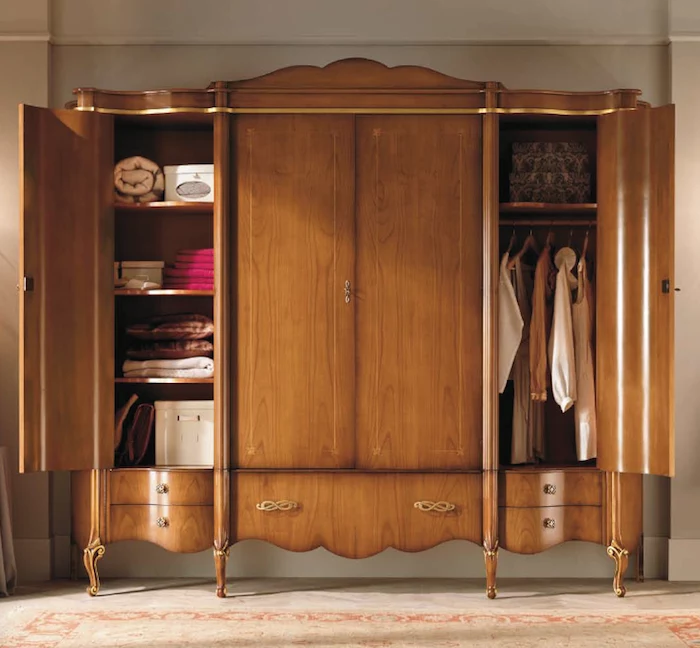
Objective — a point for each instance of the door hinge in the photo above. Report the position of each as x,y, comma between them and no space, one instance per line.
28,284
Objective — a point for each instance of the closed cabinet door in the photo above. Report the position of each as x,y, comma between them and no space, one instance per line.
293,326
66,303
635,290
417,296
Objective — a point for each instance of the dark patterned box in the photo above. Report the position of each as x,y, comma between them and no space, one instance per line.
550,157
550,187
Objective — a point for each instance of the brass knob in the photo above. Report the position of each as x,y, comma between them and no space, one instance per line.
279,505
549,523
162,489
550,489
162,522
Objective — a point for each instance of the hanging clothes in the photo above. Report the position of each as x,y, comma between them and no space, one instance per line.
561,345
510,325
528,415
541,323
584,410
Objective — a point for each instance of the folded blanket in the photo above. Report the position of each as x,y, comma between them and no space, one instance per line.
198,362
170,350
170,373
187,272
138,180
195,265
188,285
180,326
199,252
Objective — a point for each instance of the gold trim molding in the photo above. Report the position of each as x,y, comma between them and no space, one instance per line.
350,110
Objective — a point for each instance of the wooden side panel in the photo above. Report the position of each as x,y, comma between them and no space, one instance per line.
635,291
295,332
67,312
419,305
356,515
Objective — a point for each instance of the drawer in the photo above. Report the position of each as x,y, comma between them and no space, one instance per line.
356,515
552,488
531,530
183,529
167,487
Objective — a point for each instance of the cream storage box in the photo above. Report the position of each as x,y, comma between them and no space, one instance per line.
184,433
189,183
143,270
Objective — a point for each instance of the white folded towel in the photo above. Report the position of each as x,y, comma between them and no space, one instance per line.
198,362
169,373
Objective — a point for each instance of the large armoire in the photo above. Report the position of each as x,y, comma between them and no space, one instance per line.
359,219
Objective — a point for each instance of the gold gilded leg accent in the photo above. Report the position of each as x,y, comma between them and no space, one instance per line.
91,555
621,558
220,557
491,560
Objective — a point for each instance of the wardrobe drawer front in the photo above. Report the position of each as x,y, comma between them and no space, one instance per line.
183,529
531,530
555,488
356,515
166,487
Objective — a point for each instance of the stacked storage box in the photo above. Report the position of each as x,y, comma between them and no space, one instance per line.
550,172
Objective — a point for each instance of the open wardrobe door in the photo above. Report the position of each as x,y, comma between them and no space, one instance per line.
66,303
635,291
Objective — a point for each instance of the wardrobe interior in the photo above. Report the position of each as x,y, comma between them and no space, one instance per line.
536,218
154,233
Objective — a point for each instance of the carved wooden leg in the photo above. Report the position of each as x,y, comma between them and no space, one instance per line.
92,553
621,557
491,559
220,557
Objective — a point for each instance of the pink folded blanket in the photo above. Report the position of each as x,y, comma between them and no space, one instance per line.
184,265
198,252
187,272
188,285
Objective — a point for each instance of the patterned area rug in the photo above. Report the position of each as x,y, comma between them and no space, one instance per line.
270,629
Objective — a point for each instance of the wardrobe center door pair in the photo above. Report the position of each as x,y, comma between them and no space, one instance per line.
358,292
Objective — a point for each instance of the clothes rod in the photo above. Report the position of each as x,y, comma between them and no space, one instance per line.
545,222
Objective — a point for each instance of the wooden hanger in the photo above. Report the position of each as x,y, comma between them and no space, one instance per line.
512,242
529,244
585,244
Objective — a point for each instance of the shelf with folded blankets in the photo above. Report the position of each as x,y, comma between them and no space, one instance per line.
163,381
166,206
126,292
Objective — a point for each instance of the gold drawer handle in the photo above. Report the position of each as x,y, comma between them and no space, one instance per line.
279,505
162,489
550,489
549,523
162,522
438,507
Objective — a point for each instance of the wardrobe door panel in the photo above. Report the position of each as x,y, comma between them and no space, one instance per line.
294,388
635,290
66,303
418,292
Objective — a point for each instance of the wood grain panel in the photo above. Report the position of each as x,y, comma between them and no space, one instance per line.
357,515
551,488
174,487
188,529
634,312
67,318
419,306
295,333
80,508
524,530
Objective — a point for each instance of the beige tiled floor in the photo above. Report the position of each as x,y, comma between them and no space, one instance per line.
361,595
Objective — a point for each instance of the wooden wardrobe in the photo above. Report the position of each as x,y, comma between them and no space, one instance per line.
360,212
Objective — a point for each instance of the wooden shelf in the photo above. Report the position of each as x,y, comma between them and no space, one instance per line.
165,381
549,208
127,292
153,207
